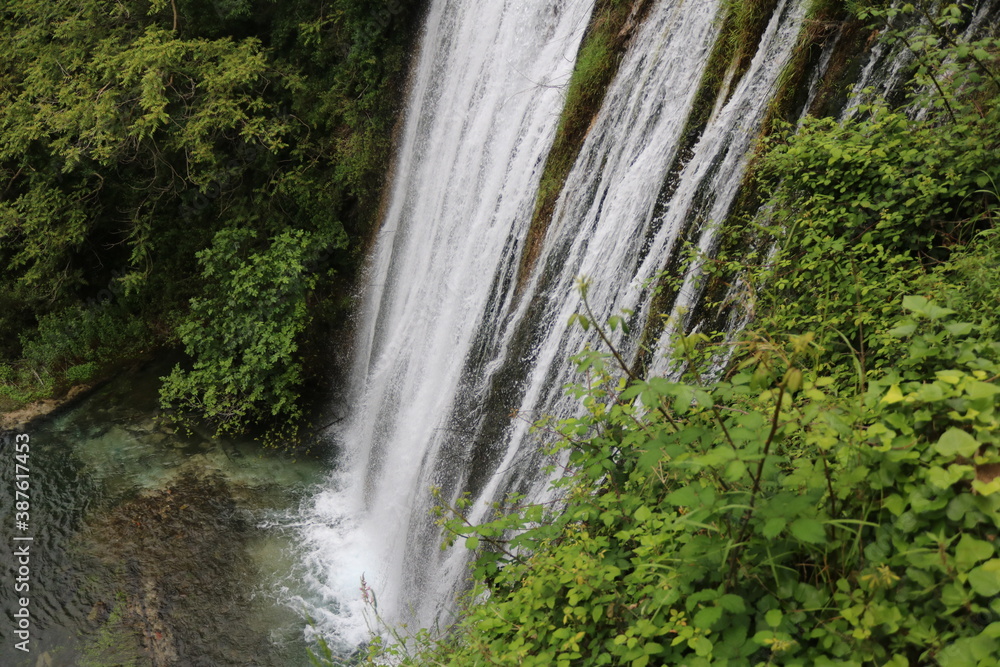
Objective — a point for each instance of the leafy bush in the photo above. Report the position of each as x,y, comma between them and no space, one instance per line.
79,334
857,210
71,346
758,520
245,366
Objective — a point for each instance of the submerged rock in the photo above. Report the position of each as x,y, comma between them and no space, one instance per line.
172,549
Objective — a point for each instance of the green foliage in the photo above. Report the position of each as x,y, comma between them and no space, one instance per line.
70,346
134,135
772,517
77,334
246,368
105,122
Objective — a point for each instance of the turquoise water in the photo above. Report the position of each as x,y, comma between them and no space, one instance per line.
150,547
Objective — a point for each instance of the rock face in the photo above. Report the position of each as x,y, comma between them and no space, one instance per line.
171,550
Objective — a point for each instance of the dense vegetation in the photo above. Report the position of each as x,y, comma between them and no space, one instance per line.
834,496
192,173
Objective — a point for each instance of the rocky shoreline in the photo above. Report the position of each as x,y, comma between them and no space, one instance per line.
19,418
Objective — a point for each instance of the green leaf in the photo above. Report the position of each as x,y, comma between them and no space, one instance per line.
968,651
916,304
808,530
894,395
642,514
773,617
942,478
735,471
773,527
652,648
707,617
956,442
685,497
981,390
895,504
732,603
701,645
903,330
985,579
959,328
472,542
970,551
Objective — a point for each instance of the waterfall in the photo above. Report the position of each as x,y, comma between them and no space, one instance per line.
482,114
446,350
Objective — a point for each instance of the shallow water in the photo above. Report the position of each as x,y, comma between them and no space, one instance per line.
150,547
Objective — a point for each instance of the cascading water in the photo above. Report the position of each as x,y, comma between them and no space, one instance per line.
447,346
482,114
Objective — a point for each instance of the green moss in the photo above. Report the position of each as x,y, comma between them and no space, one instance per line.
117,642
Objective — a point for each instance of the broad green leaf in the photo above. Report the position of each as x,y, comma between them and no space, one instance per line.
684,497
950,376
895,504
894,395
701,645
917,304
808,530
981,390
985,579
968,652
944,478
732,603
735,470
707,617
773,527
959,328
903,330
773,617
652,648
956,442
970,551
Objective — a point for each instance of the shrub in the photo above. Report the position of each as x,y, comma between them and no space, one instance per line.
245,367
766,518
